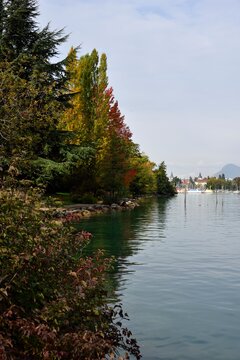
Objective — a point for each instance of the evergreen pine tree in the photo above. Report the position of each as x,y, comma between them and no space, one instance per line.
26,54
24,44
164,187
1,17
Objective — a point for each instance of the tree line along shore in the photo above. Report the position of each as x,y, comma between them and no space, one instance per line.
61,131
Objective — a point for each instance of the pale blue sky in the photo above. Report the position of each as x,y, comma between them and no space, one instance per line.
174,66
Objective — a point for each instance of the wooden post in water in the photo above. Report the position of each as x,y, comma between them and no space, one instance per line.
216,197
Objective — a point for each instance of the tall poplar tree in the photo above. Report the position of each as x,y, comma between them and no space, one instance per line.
83,83
114,169
102,102
87,116
95,119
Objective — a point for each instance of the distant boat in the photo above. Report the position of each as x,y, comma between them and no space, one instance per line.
195,191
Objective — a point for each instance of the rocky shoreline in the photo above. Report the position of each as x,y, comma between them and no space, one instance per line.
75,212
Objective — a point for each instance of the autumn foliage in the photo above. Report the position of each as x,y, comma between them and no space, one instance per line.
61,129
52,298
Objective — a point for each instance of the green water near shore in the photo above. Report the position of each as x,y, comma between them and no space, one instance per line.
177,274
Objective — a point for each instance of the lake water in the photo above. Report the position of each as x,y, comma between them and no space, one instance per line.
178,274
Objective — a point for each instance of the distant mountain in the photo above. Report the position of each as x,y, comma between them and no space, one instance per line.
230,171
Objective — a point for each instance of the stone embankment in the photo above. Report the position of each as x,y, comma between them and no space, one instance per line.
75,212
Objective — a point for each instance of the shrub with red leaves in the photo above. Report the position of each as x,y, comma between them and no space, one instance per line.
53,301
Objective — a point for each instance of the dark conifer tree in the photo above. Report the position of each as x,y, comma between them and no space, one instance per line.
19,28
1,17
23,42
164,187
26,55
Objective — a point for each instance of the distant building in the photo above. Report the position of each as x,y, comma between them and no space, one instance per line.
201,183
190,184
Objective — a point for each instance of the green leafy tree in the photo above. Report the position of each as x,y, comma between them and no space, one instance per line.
96,122
87,115
144,181
213,183
236,183
176,181
87,79
83,81
218,183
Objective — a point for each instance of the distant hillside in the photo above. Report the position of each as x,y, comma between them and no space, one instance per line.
230,171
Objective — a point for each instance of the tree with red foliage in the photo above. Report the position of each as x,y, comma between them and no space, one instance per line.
114,169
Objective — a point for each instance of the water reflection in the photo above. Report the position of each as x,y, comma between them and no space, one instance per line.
211,203
177,274
124,234
121,233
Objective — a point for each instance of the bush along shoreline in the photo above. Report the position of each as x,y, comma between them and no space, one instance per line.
53,304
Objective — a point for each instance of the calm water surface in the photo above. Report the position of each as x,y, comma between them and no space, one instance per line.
178,274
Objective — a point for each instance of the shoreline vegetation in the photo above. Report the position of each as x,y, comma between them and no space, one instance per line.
61,130
53,304
75,212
